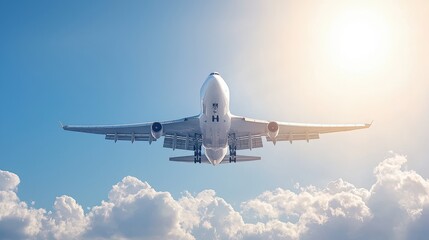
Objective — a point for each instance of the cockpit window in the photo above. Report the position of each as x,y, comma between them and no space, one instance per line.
214,73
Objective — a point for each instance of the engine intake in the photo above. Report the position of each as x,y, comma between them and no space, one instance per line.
156,130
273,130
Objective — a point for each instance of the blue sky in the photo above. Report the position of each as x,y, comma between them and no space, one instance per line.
106,62
97,63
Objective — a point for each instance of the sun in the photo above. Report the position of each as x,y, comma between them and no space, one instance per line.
357,40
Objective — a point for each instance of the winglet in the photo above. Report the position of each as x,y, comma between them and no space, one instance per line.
369,124
62,125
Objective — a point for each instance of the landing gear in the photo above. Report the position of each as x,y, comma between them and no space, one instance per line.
232,148
232,153
197,153
197,148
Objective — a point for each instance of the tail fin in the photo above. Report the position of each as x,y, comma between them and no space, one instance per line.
238,158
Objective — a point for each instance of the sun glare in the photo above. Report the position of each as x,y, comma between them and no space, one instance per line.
357,40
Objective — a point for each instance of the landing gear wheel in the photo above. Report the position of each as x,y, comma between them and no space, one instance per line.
232,154
197,154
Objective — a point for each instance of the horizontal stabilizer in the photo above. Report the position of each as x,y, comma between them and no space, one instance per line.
239,158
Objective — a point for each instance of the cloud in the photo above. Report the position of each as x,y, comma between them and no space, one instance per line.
311,207
17,220
8,181
207,216
136,211
68,221
395,207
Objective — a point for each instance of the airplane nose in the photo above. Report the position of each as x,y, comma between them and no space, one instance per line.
214,80
214,74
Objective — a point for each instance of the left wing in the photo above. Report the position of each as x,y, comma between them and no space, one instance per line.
180,134
251,129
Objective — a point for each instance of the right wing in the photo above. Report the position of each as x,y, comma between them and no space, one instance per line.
178,134
249,132
301,131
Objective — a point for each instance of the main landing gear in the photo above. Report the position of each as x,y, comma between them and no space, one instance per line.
232,153
197,153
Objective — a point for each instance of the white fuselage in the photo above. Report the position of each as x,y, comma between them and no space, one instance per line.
215,118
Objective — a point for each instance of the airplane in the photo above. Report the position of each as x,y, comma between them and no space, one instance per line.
215,130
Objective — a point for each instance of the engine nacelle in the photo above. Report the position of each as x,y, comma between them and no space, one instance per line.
156,130
273,130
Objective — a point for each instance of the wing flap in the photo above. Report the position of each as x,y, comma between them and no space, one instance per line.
180,142
247,142
130,137
292,137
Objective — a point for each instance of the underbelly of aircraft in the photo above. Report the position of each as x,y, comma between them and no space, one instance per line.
216,155
215,140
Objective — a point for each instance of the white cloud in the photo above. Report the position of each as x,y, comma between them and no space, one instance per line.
207,216
17,220
68,221
136,211
309,208
8,181
395,207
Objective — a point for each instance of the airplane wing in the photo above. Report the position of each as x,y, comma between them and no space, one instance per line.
178,134
249,132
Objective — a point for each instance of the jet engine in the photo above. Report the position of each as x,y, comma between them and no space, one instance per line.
156,130
273,130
